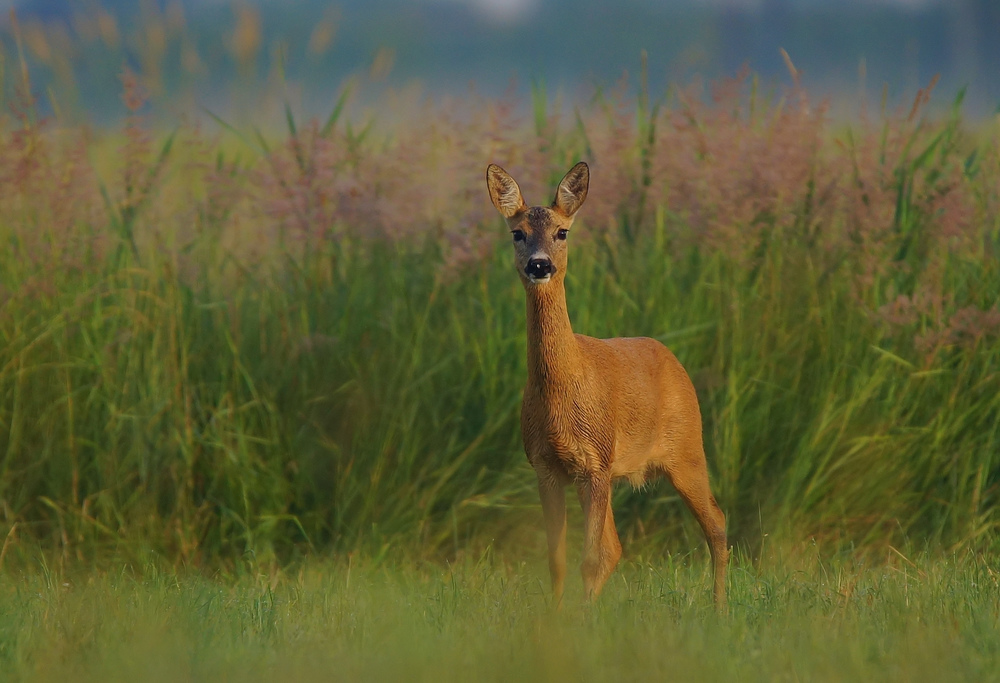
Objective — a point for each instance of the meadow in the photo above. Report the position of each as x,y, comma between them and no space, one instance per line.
828,619
259,389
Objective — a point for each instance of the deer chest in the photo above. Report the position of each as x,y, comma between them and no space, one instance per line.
577,436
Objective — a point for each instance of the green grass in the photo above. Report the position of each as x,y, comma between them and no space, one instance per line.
275,381
363,406
803,619
259,395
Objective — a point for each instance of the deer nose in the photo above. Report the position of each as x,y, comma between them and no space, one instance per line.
539,268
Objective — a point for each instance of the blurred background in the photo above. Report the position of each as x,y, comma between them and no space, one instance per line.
231,56
259,336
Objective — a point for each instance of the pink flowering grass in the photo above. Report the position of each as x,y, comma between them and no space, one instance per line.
220,343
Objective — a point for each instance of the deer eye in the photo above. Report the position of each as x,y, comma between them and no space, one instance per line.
518,235
562,234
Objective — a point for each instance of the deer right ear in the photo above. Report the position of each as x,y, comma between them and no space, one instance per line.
504,192
572,190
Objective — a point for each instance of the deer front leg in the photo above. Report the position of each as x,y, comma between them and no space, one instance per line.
601,547
553,495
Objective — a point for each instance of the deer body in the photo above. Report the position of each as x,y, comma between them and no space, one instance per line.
597,410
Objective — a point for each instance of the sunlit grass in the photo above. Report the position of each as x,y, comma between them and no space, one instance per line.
790,619
230,353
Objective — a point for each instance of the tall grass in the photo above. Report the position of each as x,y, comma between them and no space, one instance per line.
218,342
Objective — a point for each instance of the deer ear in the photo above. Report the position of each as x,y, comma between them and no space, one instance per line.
572,190
504,192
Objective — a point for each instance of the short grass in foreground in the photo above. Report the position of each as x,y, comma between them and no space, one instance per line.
801,619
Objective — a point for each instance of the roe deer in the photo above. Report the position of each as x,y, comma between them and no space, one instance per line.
597,410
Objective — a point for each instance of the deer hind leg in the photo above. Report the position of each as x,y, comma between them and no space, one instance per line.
553,495
692,485
601,547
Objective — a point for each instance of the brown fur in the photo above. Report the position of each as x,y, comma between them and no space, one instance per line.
598,410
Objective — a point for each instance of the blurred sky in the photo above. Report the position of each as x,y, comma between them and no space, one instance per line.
846,48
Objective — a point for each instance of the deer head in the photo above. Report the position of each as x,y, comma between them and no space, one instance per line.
539,232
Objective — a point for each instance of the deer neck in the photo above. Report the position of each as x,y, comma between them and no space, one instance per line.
553,352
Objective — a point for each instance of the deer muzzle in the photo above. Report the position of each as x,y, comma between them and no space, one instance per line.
539,269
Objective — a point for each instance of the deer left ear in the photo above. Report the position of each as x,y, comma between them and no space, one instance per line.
504,192
572,190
